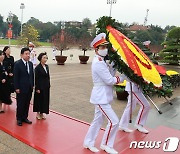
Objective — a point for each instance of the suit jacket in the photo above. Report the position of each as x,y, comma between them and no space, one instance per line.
22,79
42,78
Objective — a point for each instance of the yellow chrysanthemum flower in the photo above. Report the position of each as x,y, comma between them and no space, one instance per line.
122,84
171,72
117,47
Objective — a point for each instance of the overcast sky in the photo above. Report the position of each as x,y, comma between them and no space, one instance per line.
161,12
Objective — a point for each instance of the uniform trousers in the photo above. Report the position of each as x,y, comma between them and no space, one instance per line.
139,98
102,112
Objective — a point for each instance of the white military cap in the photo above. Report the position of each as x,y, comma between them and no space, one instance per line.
100,39
31,44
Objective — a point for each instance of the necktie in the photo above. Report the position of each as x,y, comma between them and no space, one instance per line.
26,67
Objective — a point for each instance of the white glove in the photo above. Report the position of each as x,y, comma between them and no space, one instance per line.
110,64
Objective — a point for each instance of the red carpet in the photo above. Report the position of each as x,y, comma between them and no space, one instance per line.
60,134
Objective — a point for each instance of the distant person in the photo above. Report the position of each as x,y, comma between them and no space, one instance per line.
33,55
9,60
42,87
54,53
4,87
23,84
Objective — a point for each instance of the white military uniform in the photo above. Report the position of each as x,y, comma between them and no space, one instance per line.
137,97
54,53
101,97
33,56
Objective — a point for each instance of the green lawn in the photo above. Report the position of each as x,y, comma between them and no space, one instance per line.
6,42
14,42
45,44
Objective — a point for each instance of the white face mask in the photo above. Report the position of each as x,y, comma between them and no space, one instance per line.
103,52
30,48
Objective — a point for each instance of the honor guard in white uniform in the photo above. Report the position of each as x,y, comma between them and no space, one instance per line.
54,53
33,56
137,97
101,96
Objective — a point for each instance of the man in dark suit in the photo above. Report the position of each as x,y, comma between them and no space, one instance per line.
23,84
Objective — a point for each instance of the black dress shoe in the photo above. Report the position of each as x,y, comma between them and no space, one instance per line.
2,111
27,121
19,123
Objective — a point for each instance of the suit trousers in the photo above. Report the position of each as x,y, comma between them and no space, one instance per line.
23,102
102,112
139,98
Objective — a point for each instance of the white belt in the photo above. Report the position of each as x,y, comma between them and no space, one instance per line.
97,84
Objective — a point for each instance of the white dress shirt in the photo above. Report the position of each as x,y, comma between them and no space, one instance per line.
27,65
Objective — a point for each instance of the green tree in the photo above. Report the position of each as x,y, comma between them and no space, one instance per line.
45,30
86,23
74,31
168,28
1,20
80,32
1,25
4,28
16,25
29,34
48,30
34,22
171,52
144,36
155,34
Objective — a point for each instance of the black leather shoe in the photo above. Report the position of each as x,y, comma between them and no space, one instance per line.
2,111
27,121
19,123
